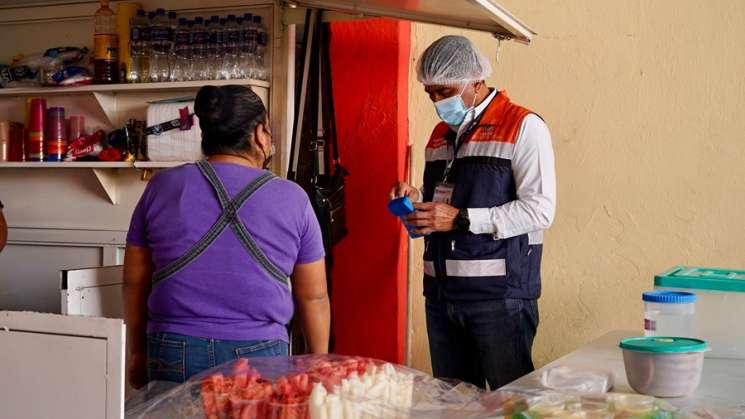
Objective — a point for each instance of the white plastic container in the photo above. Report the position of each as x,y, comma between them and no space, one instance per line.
720,306
669,313
664,367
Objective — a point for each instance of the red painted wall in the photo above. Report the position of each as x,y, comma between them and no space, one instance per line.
370,80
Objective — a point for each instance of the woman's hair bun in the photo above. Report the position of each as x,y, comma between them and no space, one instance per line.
228,116
209,104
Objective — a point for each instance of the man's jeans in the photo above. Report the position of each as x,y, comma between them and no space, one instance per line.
482,341
174,357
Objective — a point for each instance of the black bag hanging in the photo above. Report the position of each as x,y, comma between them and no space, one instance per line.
324,182
328,188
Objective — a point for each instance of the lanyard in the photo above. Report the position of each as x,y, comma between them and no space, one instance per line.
458,144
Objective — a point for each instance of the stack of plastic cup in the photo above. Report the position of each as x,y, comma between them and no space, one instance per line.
56,139
75,127
36,123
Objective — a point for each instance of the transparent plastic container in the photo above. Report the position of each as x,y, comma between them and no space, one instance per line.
664,366
669,313
720,306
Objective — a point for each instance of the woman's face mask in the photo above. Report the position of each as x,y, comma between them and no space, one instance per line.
453,110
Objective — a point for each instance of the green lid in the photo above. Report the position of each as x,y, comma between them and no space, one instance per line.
702,279
663,345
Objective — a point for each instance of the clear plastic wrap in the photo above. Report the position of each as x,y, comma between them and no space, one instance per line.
336,387
313,387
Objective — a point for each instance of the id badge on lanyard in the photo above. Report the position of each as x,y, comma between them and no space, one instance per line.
444,190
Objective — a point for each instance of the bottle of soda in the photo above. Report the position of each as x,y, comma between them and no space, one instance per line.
106,43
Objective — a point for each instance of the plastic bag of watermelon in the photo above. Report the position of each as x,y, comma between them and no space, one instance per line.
311,387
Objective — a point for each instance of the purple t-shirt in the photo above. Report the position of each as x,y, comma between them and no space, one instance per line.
224,294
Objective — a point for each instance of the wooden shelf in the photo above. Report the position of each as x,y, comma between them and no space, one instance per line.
125,88
65,165
106,173
91,165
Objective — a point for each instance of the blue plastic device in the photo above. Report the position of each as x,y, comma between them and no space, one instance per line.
401,207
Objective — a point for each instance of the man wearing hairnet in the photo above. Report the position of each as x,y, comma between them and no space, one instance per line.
489,193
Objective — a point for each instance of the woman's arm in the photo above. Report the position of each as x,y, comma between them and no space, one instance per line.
138,270
311,297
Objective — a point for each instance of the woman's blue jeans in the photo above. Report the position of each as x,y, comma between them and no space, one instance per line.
174,357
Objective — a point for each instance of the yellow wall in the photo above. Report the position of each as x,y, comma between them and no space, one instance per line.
646,105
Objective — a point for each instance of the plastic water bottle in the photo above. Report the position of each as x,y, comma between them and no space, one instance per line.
139,40
222,41
216,48
200,59
180,67
161,43
232,40
248,46
173,25
261,46
190,75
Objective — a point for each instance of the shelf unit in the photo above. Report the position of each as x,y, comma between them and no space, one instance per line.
116,102
109,106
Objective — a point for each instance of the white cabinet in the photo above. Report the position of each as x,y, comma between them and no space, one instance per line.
55,366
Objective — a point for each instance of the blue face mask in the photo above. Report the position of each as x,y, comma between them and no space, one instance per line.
452,110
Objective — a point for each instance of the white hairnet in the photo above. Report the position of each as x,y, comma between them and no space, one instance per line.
452,60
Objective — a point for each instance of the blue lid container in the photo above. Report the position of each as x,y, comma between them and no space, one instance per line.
669,297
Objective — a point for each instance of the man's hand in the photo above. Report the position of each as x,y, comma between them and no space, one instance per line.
432,217
402,189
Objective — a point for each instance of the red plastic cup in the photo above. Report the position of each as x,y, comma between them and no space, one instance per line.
38,111
56,129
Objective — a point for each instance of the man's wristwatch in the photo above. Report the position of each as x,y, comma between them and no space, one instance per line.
462,222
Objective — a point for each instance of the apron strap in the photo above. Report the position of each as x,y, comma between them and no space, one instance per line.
229,217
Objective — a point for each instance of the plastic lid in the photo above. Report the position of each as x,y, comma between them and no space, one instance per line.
663,345
257,19
248,16
183,21
231,17
199,20
140,12
160,11
215,18
728,280
669,297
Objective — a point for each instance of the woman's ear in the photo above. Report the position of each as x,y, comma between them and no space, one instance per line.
261,138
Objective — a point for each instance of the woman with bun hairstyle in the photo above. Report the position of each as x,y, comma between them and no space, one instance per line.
218,251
